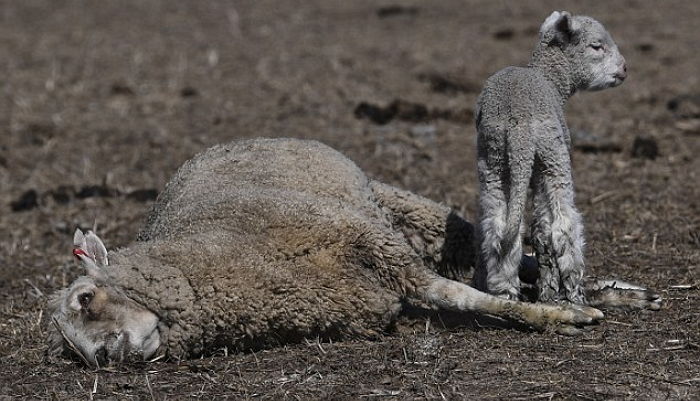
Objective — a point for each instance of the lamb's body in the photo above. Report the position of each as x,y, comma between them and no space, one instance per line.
524,140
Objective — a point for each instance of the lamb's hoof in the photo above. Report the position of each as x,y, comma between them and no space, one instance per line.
624,296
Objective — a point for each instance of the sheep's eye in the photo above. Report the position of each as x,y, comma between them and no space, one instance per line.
85,299
596,46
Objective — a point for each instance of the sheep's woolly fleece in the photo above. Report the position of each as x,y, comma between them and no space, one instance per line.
266,241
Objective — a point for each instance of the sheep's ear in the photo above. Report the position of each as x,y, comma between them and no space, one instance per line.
558,28
90,252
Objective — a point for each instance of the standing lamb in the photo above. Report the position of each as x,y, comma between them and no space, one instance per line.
268,241
523,140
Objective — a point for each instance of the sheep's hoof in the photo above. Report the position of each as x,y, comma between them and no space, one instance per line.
571,319
620,295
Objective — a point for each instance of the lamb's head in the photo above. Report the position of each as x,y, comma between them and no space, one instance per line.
592,57
94,319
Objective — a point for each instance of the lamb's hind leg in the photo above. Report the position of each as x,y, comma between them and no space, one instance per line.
500,247
557,227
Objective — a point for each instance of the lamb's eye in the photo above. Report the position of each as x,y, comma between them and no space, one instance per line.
596,46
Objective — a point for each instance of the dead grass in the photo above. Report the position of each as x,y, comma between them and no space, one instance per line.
117,96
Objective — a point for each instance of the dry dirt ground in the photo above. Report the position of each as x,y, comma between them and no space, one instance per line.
101,101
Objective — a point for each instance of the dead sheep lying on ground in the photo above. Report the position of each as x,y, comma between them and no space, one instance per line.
269,241
523,140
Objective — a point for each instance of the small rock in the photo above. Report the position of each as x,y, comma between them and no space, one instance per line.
376,114
645,148
189,91
62,194
409,111
504,34
119,88
587,142
685,106
645,47
142,195
93,191
394,10
446,85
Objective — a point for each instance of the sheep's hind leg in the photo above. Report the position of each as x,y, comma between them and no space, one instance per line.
617,294
452,295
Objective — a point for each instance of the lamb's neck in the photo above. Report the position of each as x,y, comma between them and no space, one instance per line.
555,67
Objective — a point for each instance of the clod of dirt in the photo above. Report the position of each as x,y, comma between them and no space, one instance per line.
38,133
376,114
601,147
394,10
95,191
442,84
142,195
587,142
685,106
29,200
62,194
504,34
645,148
119,88
645,47
409,111
189,91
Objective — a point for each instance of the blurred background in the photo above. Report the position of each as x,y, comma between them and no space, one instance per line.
102,101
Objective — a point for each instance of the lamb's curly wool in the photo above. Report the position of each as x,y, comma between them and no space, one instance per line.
523,140
260,242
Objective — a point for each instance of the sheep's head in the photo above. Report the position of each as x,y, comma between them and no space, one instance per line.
594,60
94,319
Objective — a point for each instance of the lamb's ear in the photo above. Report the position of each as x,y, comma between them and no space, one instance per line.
558,28
90,252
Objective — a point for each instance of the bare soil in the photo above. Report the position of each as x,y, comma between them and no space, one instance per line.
102,101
